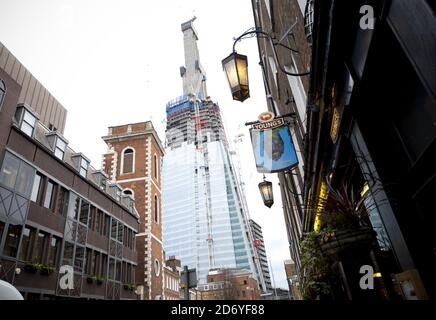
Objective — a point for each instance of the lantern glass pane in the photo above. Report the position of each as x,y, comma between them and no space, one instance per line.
231,72
241,64
266,191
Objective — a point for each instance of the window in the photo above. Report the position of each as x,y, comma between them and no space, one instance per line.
103,270
107,221
28,123
62,203
118,272
114,229
130,238
127,165
2,92
41,246
60,148
25,251
8,175
84,208
73,206
124,272
103,184
50,195
17,175
129,273
54,250
25,179
92,216
98,221
155,167
128,192
156,267
95,263
83,167
118,194
79,259
111,269
120,233
88,262
125,236
12,238
68,254
156,209
37,188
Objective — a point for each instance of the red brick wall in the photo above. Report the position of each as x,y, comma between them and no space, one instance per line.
156,280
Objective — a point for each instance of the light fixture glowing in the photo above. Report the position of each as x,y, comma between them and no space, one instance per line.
236,69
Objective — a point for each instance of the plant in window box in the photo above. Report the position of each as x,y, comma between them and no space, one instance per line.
32,267
99,280
91,278
46,270
128,286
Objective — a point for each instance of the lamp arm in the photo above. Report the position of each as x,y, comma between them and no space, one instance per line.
276,58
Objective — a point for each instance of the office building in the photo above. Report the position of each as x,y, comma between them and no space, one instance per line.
57,212
205,223
259,246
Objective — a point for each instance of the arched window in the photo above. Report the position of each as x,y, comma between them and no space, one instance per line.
156,209
155,167
128,161
2,92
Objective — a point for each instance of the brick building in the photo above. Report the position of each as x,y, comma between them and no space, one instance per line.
229,284
134,161
285,94
292,279
172,269
55,208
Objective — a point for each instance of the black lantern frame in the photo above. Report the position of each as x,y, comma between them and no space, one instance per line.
236,69
266,191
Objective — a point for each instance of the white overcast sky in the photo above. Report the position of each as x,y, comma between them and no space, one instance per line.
115,62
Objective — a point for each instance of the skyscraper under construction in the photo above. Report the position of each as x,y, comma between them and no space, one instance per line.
205,222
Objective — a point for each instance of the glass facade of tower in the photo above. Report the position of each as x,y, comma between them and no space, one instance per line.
204,221
204,224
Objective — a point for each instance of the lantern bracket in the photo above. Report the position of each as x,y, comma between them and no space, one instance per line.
268,36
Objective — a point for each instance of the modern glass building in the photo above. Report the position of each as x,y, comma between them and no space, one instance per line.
205,224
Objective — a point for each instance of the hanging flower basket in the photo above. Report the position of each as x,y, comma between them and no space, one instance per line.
347,240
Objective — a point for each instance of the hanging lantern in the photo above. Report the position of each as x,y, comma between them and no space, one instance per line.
266,192
236,69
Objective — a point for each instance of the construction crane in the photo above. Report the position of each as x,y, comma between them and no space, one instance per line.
204,168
